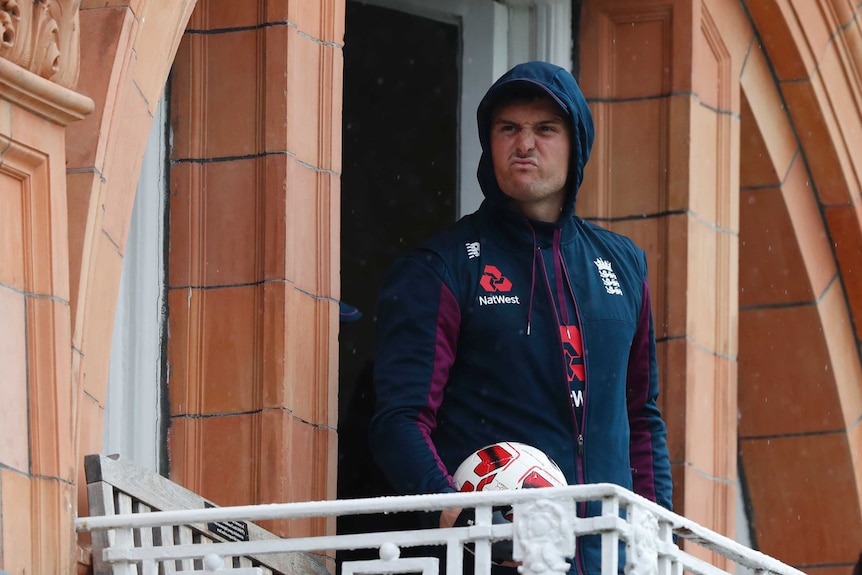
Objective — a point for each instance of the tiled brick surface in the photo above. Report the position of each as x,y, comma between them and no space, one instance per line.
780,35
217,457
15,497
808,227
14,432
768,113
274,387
305,329
819,135
305,187
712,501
756,166
80,189
104,60
845,229
217,15
51,430
274,109
160,25
772,268
274,209
790,395
12,222
801,480
219,332
92,337
230,66
305,97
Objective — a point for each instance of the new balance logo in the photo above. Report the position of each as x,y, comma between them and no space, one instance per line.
493,280
473,249
609,278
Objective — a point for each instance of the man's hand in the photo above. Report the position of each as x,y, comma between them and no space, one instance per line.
448,517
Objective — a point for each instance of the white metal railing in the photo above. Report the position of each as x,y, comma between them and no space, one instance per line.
543,532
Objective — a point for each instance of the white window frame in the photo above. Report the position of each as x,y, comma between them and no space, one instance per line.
134,421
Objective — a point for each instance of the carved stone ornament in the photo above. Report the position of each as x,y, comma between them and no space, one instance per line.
42,36
544,536
642,547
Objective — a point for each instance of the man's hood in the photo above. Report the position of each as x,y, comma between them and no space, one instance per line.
562,87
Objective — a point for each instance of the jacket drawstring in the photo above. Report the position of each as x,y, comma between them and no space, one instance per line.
532,278
561,274
558,273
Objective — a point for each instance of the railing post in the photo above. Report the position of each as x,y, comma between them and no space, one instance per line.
610,539
544,536
665,534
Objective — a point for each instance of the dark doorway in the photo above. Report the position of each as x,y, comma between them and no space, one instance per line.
399,180
399,187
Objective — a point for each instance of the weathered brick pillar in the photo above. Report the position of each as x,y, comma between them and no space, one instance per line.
253,270
38,69
663,85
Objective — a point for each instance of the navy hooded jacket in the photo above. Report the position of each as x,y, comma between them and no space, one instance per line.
470,349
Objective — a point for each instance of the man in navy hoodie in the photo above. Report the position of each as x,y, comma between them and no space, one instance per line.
523,322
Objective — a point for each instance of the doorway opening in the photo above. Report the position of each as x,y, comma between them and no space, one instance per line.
399,187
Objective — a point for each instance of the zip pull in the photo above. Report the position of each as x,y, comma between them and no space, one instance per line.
580,444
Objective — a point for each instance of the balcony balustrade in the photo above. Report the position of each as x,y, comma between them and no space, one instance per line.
543,532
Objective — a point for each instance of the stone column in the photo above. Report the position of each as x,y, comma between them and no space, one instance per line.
253,278
38,68
663,86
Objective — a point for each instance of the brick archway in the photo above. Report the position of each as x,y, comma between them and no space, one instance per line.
800,381
126,53
283,155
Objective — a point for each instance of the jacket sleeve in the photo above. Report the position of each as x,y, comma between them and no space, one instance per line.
418,320
650,463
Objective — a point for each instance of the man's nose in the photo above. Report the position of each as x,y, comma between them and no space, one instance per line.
525,140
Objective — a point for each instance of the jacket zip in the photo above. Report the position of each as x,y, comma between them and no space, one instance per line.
578,425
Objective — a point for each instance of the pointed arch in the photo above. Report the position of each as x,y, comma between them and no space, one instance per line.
800,381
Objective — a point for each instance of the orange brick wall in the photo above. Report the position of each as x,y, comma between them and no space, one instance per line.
728,138
253,271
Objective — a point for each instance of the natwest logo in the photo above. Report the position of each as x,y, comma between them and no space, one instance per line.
493,280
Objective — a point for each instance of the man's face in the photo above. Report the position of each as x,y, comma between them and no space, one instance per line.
530,149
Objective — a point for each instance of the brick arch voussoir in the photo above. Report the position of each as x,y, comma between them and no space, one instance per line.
814,53
126,56
808,442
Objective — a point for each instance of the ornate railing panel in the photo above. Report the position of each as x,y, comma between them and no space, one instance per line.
543,531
